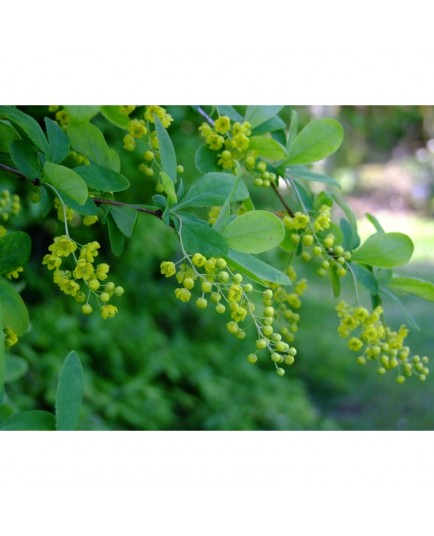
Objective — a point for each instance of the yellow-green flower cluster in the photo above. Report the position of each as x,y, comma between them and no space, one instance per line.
9,205
372,339
14,274
315,240
226,291
288,303
85,278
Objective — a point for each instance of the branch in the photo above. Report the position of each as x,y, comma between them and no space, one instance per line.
99,201
279,195
36,181
205,115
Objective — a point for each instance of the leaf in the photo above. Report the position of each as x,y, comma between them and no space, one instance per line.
377,225
352,220
7,134
273,124
254,232
293,128
81,114
58,142
413,285
87,209
315,141
302,172
365,277
167,151
267,148
30,421
102,179
257,270
114,161
168,188
409,318
125,218
69,393
2,357
212,190
27,124
117,239
335,281
205,160
385,250
25,158
15,250
87,139
14,310
230,112
15,368
114,115
198,237
66,181
256,115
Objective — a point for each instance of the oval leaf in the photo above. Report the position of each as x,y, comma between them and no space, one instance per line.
25,158
256,115
258,270
213,189
30,421
81,114
66,181
87,139
206,160
15,368
199,237
385,250
254,232
267,148
167,152
315,141
125,218
14,310
102,179
69,393
413,285
27,124
58,142
14,251
114,115
7,134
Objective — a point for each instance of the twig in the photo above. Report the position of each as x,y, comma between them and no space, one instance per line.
279,195
36,181
99,201
205,115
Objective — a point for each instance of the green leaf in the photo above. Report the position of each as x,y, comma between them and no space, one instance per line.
302,172
257,270
14,310
212,190
2,357
315,141
58,142
293,128
385,250
15,250
69,393
102,179
30,421
230,112
7,134
87,209
199,237
407,315
267,148
117,239
125,218
167,151
254,232
114,115
273,124
15,368
377,225
81,114
87,139
352,220
335,281
256,115
66,181
25,158
365,277
27,124
413,285
205,160
114,161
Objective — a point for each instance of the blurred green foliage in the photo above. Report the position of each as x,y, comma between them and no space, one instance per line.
162,365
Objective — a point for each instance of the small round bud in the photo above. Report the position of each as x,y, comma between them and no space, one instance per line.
267,331
258,183
206,286
188,283
261,344
267,294
109,287
280,371
220,308
276,357
180,169
289,359
87,309
248,287
252,358
148,155
201,303
269,311
237,278
119,291
105,297
223,277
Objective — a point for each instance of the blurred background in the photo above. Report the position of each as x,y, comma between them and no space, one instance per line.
164,365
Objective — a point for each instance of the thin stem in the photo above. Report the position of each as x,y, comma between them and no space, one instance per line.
36,181
279,195
205,115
